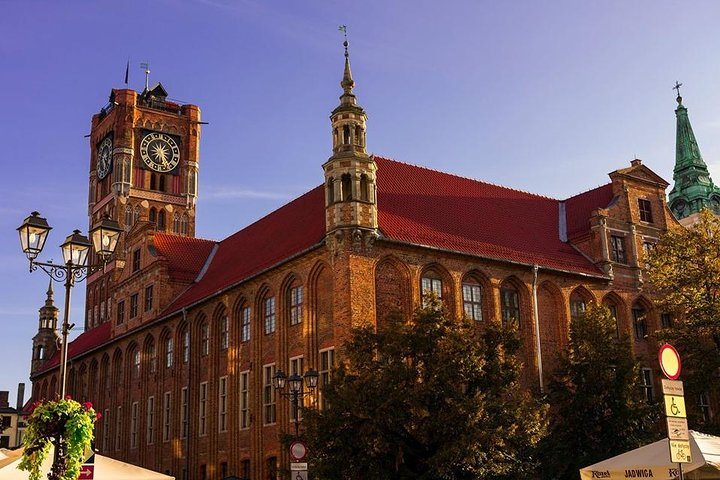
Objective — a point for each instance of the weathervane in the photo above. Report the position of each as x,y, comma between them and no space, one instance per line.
146,67
343,28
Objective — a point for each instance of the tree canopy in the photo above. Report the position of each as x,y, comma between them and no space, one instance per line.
426,398
684,268
598,410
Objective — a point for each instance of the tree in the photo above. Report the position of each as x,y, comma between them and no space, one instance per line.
430,398
684,268
598,409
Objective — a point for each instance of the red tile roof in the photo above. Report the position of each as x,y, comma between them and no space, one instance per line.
86,341
579,208
426,207
185,255
416,205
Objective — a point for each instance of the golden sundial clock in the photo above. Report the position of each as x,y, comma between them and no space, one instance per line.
159,152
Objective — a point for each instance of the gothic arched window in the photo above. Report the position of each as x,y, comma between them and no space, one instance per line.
161,219
346,182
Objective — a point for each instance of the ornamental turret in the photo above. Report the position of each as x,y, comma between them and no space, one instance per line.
46,338
350,191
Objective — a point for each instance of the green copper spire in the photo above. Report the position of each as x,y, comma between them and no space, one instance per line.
693,189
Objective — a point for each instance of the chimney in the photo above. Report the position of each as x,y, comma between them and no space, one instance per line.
4,399
635,162
20,397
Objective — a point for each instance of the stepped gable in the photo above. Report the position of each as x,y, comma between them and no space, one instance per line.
579,208
421,206
86,341
289,230
185,255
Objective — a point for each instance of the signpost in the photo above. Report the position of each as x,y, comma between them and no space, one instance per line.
298,468
675,414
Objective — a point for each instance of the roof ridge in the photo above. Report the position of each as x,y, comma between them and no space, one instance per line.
588,191
466,178
184,237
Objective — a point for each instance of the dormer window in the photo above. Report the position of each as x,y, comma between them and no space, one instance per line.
645,210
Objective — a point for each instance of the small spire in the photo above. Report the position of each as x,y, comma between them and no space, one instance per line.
347,83
49,300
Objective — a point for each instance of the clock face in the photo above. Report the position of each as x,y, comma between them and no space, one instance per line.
104,158
159,152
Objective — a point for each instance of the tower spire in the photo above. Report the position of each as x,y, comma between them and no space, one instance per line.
347,83
693,189
49,301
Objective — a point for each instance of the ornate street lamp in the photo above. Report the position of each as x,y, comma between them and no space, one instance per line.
295,381
75,249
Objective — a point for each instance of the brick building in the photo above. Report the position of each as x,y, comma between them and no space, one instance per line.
183,335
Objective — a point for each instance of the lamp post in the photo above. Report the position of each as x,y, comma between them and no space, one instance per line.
295,381
33,233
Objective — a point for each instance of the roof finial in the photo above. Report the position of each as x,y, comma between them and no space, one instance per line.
677,87
347,83
49,293
146,67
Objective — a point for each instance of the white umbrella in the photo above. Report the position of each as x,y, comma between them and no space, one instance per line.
106,468
653,461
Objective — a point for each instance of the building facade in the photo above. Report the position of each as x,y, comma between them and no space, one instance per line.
183,335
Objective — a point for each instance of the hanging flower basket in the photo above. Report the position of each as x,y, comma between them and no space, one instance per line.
65,424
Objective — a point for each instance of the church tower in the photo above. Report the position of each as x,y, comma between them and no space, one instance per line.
350,191
693,189
144,154
46,338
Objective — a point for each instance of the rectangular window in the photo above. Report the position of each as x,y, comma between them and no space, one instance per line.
136,260
118,428
202,424
296,305
245,399
222,404
186,346
646,384
704,405
121,312
169,352
645,210
106,430
150,434
297,367
245,323
327,363
167,411
204,339
639,323
510,306
269,315
148,298
184,412
666,320
431,285
134,305
647,248
472,301
224,333
134,425
618,249
268,395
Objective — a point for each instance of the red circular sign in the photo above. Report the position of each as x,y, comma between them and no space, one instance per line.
669,361
298,450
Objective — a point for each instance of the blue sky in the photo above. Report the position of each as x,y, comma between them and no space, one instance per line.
543,96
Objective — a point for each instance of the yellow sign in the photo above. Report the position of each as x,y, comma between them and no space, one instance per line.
680,451
675,406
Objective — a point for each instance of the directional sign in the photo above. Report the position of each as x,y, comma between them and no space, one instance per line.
677,428
672,387
87,472
675,406
680,451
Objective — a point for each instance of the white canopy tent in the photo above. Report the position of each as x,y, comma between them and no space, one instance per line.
105,469
653,461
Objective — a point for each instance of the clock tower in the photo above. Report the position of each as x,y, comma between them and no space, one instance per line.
144,155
